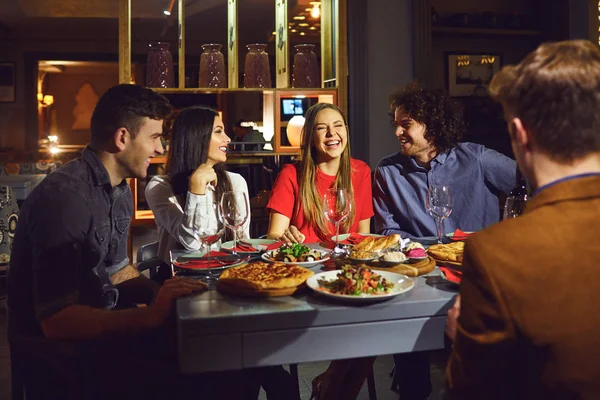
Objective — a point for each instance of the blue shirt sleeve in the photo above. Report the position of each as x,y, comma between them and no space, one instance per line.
499,171
385,221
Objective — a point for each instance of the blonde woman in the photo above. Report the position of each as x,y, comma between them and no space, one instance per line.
296,202
296,206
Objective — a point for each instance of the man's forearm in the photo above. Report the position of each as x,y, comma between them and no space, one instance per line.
78,322
125,274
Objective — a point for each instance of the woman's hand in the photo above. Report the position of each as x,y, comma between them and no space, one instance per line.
202,176
292,235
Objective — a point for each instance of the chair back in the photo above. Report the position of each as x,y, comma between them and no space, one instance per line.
147,251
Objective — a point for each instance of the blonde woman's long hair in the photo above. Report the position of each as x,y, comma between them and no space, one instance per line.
310,201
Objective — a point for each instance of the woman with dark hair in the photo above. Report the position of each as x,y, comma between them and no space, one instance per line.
197,153
296,202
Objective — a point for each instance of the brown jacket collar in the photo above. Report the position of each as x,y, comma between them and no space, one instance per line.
573,189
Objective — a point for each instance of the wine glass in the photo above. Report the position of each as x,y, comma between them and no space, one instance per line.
207,225
514,206
235,211
336,207
439,205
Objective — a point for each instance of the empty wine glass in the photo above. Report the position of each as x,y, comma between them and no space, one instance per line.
235,211
336,207
439,205
207,224
514,206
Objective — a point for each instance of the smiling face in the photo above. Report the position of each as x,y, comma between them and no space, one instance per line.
330,135
219,141
411,135
135,158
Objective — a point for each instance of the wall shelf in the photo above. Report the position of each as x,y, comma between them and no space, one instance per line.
466,31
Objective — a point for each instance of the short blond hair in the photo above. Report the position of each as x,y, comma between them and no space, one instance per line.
555,92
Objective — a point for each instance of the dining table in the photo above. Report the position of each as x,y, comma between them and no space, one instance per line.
219,331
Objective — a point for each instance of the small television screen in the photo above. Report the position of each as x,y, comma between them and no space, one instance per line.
292,107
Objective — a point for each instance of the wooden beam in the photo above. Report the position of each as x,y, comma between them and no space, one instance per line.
181,16
232,44
124,41
281,44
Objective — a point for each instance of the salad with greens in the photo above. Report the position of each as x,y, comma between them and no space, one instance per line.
295,252
356,280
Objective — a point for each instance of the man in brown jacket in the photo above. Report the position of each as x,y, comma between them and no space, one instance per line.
529,326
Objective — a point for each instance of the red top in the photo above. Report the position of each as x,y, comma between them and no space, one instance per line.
286,191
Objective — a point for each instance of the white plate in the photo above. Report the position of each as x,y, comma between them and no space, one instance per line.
345,236
402,284
227,246
324,254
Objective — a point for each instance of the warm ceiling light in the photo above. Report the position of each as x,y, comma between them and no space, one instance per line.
294,30
302,33
315,12
167,12
303,24
274,33
307,9
299,17
313,28
48,100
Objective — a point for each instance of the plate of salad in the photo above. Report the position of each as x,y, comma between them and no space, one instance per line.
296,254
359,283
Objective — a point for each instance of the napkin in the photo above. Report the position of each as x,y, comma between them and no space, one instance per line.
354,238
460,235
244,247
203,263
452,275
274,246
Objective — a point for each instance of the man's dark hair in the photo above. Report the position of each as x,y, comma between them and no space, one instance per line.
124,106
442,116
555,92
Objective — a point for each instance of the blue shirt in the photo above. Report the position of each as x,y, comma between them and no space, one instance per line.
71,237
476,175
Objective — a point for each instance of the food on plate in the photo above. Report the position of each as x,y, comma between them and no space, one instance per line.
295,252
356,280
362,255
447,252
415,250
414,245
263,275
416,253
394,256
372,243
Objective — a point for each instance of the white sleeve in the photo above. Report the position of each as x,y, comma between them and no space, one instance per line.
168,213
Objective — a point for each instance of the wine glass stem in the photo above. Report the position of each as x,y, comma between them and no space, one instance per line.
439,229
234,230
337,234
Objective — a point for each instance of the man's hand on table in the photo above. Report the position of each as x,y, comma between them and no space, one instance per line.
172,289
292,235
452,320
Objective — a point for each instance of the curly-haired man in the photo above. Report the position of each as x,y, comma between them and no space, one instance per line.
429,126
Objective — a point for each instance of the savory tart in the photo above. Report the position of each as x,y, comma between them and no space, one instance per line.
263,275
372,243
447,252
